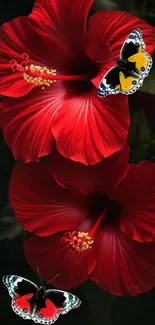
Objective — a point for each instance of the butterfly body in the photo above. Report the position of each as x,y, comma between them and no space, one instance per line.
36,300
41,293
131,68
36,303
128,68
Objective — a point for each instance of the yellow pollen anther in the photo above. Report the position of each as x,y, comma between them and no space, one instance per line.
79,241
34,74
39,75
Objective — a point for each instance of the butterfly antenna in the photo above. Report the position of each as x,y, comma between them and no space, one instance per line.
110,52
39,275
52,279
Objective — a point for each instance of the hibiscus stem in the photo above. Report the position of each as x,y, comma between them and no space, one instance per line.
98,222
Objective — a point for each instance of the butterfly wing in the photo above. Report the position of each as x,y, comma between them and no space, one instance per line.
22,306
138,65
133,44
110,83
22,292
129,84
56,302
138,60
143,63
47,313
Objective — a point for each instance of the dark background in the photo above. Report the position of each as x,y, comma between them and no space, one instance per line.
98,306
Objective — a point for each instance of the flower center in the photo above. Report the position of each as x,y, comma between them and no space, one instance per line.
102,211
41,75
81,241
101,202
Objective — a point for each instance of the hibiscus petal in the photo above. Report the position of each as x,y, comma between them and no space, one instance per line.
53,257
26,122
136,193
107,31
40,204
18,37
88,129
103,176
123,266
64,21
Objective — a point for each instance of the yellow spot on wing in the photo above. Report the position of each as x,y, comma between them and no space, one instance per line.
141,60
118,87
126,82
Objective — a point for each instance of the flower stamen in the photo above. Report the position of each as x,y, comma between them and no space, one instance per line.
98,222
81,241
39,75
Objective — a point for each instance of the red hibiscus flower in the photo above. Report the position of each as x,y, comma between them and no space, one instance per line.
89,222
58,42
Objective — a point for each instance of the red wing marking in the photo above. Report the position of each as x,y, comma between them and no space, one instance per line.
48,314
22,307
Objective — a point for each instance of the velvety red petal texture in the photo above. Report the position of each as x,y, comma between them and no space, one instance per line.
64,21
41,205
53,257
27,122
18,37
107,31
88,129
103,176
123,266
136,192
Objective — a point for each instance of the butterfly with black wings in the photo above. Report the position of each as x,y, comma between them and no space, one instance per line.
36,303
130,70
